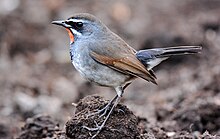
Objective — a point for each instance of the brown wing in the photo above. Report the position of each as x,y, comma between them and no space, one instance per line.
128,64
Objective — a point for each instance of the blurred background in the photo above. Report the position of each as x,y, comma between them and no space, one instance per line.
36,75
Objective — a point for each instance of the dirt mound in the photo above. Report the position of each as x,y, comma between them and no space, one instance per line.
123,124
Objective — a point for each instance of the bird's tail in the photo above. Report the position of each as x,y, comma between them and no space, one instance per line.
152,57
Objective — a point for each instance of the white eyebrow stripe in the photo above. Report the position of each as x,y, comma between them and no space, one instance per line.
76,32
76,20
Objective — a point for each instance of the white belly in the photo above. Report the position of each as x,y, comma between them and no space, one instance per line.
98,73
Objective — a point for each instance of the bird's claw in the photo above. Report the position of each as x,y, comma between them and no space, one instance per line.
104,113
93,129
120,110
99,111
97,128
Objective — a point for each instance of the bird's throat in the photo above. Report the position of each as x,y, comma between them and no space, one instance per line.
70,35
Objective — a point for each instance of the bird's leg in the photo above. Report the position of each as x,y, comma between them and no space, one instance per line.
105,109
120,91
109,104
98,128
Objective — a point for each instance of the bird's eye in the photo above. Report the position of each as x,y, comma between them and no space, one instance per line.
74,24
79,24
71,23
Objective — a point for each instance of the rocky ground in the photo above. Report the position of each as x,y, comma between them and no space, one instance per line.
37,78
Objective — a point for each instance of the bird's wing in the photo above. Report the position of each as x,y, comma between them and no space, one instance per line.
128,64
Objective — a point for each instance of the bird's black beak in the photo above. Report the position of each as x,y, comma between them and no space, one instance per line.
60,23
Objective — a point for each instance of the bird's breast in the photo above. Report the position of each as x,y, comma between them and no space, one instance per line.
94,71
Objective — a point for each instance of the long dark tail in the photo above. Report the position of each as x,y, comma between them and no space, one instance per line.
152,57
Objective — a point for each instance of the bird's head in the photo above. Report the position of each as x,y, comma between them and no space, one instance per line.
82,25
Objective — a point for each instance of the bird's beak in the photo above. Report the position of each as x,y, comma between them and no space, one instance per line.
60,23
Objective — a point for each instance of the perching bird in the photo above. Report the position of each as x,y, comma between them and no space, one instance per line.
104,58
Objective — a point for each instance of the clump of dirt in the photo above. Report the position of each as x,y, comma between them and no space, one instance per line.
199,113
158,131
202,116
121,124
149,130
5,132
41,126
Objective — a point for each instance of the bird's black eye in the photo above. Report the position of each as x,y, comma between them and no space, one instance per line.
79,24
71,23
74,24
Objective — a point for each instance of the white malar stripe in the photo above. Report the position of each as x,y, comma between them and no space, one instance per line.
76,32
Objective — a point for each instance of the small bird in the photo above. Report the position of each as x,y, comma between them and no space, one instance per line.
104,58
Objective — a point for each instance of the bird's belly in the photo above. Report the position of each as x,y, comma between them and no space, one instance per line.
98,73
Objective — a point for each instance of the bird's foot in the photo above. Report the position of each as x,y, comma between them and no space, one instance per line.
102,111
107,113
98,128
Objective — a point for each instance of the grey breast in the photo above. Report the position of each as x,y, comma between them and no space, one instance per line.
94,71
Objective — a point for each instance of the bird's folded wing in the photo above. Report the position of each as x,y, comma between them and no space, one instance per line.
128,64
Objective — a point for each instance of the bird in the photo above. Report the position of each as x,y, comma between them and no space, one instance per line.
104,58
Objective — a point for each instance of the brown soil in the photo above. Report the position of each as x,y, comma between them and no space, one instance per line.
122,124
